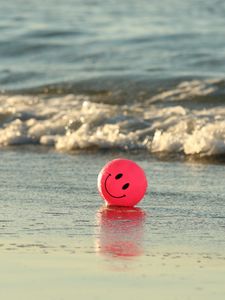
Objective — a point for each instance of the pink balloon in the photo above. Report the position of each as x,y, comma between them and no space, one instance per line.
121,182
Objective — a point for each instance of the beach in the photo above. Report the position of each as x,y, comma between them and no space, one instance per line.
65,276
59,241
86,82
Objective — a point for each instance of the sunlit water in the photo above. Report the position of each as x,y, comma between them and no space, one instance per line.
52,41
83,82
58,239
110,75
49,196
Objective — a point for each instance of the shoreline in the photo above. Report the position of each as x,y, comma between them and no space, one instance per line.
56,244
140,154
65,276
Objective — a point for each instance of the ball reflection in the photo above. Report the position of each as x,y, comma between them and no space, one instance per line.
120,231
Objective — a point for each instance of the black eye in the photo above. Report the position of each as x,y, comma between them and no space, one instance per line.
118,176
126,185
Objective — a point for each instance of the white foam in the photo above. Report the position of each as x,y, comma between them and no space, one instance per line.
199,132
74,122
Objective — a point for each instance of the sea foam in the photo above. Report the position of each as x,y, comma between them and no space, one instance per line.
76,122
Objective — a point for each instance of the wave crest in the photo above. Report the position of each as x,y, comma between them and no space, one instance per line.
75,122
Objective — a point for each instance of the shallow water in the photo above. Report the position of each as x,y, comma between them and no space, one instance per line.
58,241
49,195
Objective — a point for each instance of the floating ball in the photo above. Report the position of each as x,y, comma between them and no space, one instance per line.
122,182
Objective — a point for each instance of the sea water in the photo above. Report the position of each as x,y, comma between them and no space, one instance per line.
45,42
83,82
58,240
183,120
86,81
48,196
105,74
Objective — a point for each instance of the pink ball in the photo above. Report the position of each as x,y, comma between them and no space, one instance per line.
121,182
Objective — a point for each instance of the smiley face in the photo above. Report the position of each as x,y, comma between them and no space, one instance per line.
122,182
124,187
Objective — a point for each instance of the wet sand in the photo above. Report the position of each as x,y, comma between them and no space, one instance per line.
63,275
58,241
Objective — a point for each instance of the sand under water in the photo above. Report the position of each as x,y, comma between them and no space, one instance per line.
59,241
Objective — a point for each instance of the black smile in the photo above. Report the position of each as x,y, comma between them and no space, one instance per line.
109,192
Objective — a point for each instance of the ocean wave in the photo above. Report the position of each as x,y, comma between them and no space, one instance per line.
193,89
72,122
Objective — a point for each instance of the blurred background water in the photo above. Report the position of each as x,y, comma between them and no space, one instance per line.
44,42
111,74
